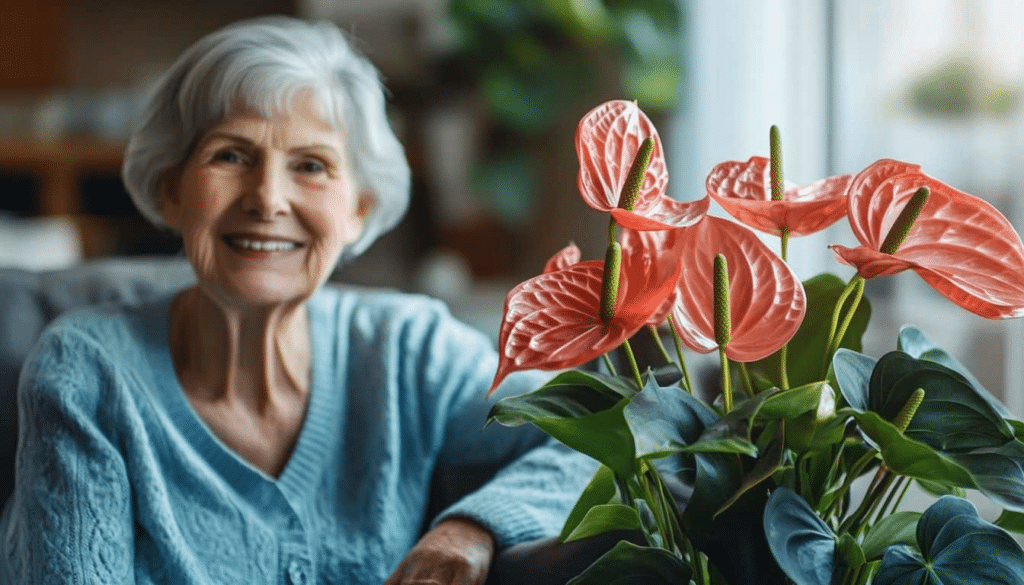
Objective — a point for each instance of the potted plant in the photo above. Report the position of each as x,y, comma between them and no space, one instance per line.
753,485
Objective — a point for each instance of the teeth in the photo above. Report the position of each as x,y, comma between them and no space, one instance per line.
264,245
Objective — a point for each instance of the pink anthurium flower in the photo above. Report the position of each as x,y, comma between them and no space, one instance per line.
552,321
766,300
744,190
961,245
607,140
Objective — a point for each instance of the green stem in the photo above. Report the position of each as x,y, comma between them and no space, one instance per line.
608,363
632,364
726,381
748,386
851,475
858,294
854,283
653,330
784,367
784,244
903,494
679,352
885,510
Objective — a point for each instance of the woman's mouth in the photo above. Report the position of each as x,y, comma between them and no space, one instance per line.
249,244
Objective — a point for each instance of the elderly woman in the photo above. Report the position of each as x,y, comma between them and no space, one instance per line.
259,427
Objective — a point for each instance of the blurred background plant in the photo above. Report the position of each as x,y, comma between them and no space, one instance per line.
533,64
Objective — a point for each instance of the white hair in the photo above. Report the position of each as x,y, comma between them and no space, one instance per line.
261,65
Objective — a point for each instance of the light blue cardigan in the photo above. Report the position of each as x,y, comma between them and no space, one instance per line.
119,481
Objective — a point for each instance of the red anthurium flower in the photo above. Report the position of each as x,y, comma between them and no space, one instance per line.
766,300
552,321
961,245
563,259
607,140
744,190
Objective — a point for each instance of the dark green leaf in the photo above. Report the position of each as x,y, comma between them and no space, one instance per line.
600,490
938,490
767,464
664,420
851,555
917,344
911,458
802,544
604,518
789,404
1012,521
898,528
629,564
956,546
587,417
806,353
717,477
998,472
853,374
952,417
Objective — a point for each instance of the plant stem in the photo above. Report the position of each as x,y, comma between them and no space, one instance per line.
851,475
679,352
885,510
748,387
783,367
653,330
858,294
726,381
608,364
784,243
855,282
632,364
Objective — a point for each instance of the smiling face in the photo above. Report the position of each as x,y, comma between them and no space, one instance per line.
265,206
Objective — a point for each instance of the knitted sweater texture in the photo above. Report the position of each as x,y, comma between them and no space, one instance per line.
120,481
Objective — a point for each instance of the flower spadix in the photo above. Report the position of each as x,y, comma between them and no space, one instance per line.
959,244
607,141
744,190
552,321
766,300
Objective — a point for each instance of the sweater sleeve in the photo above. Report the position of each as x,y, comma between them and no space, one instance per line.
69,519
539,479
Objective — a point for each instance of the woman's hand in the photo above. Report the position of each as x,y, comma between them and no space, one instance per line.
457,551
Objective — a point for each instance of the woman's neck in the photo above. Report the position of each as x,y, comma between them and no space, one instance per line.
252,357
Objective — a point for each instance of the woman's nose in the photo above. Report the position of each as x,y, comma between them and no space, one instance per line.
267,194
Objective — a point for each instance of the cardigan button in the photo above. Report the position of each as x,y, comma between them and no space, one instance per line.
295,574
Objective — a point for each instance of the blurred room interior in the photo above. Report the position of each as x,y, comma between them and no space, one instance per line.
485,95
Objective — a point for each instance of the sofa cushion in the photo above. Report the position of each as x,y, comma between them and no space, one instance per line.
30,300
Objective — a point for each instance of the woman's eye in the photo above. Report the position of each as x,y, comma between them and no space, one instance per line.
229,156
311,167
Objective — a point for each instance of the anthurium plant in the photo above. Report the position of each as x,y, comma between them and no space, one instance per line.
751,482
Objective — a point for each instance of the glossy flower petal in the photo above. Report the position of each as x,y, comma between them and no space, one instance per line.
744,190
766,300
961,245
551,321
607,140
563,259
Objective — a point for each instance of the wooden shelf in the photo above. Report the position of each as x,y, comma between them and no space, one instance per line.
60,165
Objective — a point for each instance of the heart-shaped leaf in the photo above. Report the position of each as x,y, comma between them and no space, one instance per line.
953,417
853,374
744,190
665,420
916,343
961,245
1012,521
628,564
956,546
802,544
898,528
766,300
998,472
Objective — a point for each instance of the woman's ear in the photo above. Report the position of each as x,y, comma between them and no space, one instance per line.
364,206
